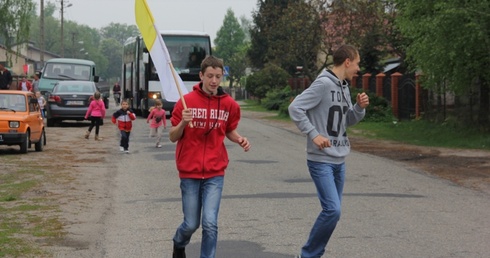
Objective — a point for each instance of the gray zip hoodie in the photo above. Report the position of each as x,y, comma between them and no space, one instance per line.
325,108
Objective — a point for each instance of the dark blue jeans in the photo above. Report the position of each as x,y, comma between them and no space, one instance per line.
124,139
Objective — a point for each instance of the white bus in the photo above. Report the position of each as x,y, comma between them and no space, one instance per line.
140,83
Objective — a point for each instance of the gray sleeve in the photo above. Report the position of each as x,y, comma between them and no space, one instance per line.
307,100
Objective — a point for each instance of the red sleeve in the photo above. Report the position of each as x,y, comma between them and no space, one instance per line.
234,117
177,113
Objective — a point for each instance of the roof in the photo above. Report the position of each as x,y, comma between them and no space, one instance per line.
70,61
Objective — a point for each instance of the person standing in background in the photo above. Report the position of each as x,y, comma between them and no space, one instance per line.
323,112
35,82
24,85
5,78
116,92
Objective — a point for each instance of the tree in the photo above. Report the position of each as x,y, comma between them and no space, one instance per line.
228,43
15,22
119,32
450,44
264,20
112,50
363,24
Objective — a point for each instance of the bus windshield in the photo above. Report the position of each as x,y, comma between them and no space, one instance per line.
64,71
187,52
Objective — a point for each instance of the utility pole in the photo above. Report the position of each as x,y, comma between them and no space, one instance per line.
62,38
62,10
42,33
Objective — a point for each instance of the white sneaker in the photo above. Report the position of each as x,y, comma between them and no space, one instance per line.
121,148
159,146
126,151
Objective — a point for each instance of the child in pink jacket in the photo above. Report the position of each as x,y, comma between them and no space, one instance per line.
96,113
158,120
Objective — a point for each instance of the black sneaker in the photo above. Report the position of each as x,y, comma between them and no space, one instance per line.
178,252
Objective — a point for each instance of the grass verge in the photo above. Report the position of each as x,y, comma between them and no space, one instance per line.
416,132
26,219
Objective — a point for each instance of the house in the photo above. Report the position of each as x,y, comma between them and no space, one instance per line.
26,62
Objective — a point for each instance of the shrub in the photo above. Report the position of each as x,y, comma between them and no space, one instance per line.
270,78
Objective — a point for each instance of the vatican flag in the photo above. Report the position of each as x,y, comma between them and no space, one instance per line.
173,87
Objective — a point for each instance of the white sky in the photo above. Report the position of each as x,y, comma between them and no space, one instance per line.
197,15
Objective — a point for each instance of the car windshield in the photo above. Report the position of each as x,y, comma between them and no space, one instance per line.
74,88
62,71
16,102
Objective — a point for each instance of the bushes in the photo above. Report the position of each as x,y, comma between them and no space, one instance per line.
268,79
378,110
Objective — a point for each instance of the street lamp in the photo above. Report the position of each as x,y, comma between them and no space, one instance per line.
62,36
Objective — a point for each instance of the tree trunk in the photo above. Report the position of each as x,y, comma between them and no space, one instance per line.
484,109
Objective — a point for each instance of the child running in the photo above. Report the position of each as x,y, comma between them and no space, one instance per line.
158,119
123,119
96,113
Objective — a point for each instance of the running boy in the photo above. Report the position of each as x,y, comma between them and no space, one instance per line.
123,119
158,121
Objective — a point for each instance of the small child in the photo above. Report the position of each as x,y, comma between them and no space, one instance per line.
42,102
157,117
123,119
96,113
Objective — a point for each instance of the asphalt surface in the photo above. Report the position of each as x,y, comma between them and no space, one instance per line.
269,204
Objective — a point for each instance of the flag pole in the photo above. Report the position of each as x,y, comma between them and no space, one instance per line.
177,84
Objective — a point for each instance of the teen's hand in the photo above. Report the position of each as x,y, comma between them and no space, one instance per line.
362,100
321,142
244,143
186,116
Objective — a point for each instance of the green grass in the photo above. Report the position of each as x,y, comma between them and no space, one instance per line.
416,132
26,221
423,133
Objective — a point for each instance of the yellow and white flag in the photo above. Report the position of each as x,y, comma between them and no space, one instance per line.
158,52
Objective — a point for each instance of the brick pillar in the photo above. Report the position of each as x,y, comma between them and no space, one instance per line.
417,95
394,92
353,83
365,81
379,84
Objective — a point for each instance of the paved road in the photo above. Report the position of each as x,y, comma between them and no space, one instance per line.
269,204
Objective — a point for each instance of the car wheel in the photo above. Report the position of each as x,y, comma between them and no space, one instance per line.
40,144
50,122
25,144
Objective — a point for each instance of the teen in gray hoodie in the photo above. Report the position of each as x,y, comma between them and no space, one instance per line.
323,112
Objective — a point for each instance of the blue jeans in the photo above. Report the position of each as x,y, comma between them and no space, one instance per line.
124,139
329,182
200,195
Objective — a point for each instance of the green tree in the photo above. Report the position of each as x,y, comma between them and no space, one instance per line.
15,22
264,21
450,44
112,50
229,44
119,32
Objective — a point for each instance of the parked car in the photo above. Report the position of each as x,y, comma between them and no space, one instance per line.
21,121
70,100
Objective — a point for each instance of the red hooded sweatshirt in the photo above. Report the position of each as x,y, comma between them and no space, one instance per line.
201,152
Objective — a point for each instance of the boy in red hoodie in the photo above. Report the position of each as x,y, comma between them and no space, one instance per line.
201,155
123,118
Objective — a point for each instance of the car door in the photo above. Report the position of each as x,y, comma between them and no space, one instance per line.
34,117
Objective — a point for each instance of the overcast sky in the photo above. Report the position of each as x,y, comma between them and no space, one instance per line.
198,15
